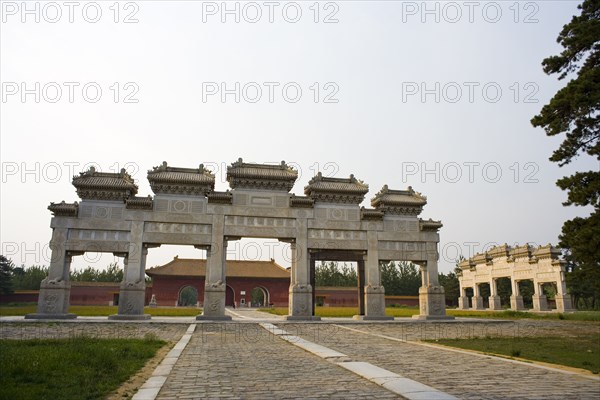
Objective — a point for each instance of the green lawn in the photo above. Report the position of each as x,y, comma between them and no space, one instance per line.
409,312
80,368
91,311
579,352
405,312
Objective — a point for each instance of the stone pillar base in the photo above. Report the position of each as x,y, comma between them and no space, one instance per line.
213,318
463,303
372,318
539,302
433,317
432,303
300,302
516,303
563,303
131,302
119,317
495,303
374,303
478,303
50,316
302,318
214,302
53,299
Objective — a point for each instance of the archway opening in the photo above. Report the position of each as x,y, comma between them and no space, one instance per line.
337,278
549,290
526,290
229,297
170,269
469,293
188,297
254,276
504,290
259,297
485,292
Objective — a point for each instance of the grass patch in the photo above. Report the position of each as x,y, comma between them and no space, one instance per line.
80,368
509,314
578,352
330,312
345,311
104,311
409,312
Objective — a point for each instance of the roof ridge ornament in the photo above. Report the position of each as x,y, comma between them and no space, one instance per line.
273,177
96,185
399,202
336,190
176,180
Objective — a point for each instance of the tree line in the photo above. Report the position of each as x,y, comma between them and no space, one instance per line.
404,279
398,278
29,278
573,115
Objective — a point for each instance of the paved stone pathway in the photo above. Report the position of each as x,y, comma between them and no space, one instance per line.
64,330
464,375
242,359
245,361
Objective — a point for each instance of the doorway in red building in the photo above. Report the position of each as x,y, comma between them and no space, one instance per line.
188,296
229,297
259,297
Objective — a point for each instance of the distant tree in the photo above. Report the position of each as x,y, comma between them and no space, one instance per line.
6,269
504,290
451,287
113,273
29,278
390,277
257,297
333,274
582,285
575,112
400,279
188,296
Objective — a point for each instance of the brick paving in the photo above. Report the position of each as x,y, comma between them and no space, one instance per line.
244,361
466,376
65,330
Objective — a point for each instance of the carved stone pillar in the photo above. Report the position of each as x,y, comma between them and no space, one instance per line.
495,303
463,300
516,300
374,291
215,281
562,298
300,293
53,299
540,303
432,300
361,286
132,296
477,299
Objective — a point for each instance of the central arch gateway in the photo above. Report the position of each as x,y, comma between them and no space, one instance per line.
325,224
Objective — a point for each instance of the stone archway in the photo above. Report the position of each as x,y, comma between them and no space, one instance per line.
187,210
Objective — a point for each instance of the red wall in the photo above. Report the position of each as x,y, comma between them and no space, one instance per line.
81,295
341,297
167,289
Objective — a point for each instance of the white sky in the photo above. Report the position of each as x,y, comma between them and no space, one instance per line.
378,58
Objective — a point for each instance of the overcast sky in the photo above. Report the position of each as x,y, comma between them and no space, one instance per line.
435,95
